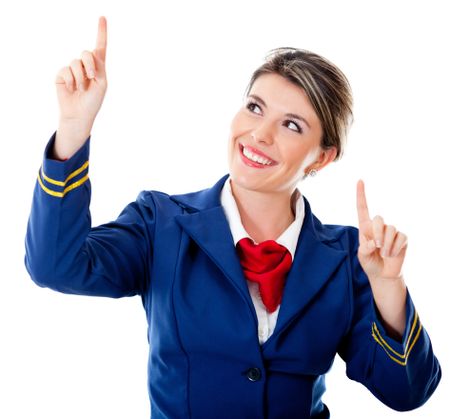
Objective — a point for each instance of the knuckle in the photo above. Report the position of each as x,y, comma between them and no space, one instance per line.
67,76
61,74
86,57
75,62
68,72
391,228
378,219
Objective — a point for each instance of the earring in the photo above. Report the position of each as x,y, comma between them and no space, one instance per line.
312,172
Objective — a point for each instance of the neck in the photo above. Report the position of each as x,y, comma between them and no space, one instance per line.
264,215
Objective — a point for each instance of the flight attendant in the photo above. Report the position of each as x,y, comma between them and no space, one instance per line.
248,295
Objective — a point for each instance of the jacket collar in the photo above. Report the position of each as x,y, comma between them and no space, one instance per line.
201,200
210,198
314,263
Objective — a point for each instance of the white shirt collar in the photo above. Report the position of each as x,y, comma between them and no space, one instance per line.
288,238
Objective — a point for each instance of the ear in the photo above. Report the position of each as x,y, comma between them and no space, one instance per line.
325,157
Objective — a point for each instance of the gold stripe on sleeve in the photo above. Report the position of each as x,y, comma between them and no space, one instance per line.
403,363
71,176
394,355
66,190
49,191
76,184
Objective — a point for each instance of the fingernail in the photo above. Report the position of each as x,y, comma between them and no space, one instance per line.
91,74
378,243
384,253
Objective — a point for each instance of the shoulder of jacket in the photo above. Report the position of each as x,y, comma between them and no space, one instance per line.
344,236
159,201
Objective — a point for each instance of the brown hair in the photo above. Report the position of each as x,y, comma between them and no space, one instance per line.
326,86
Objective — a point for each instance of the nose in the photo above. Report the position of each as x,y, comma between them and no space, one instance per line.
263,133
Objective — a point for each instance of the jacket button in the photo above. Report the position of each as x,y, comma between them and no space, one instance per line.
254,374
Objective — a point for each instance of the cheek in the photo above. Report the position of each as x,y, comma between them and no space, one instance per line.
232,136
238,124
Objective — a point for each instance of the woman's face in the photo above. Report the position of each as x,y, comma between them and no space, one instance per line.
275,137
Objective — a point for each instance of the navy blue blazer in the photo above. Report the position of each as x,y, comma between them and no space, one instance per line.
205,360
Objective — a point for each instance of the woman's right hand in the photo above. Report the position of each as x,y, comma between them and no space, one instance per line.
80,88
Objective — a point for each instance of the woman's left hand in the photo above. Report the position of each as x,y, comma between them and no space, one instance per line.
382,248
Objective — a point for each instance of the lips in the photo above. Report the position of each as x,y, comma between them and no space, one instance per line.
255,158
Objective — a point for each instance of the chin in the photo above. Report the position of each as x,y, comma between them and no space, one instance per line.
252,183
244,180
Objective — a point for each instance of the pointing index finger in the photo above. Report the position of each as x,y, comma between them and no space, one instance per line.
100,46
361,203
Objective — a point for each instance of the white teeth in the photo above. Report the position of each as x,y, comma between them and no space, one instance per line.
254,157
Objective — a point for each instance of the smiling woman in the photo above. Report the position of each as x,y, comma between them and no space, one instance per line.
326,87
248,296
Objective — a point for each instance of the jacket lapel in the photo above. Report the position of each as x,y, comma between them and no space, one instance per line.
205,222
315,260
314,263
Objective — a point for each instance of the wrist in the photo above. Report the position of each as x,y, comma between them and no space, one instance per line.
70,137
390,296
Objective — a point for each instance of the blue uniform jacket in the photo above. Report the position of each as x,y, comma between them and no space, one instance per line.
205,359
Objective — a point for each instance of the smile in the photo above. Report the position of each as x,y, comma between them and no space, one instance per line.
254,158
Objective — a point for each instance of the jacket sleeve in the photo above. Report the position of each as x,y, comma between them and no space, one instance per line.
402,374
64,253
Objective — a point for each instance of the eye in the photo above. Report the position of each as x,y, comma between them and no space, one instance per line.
297,127
251,107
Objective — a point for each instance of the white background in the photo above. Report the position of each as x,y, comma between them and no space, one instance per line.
176,75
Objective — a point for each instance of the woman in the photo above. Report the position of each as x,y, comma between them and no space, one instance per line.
248,296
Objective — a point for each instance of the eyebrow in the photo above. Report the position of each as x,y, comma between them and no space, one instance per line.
289,115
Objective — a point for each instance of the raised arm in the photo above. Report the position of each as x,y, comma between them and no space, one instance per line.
387,348
80,88
63,252
382,251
